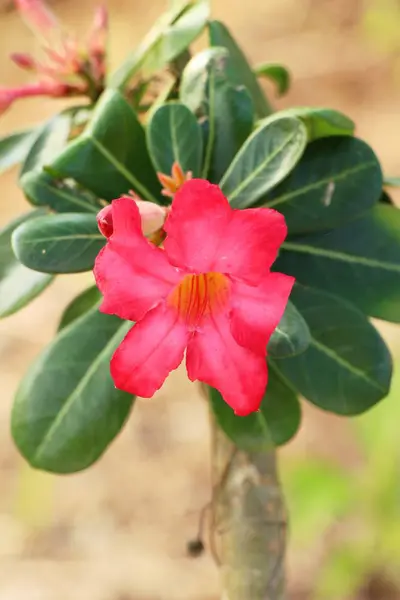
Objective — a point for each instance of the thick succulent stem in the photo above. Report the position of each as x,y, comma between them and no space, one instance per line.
249,522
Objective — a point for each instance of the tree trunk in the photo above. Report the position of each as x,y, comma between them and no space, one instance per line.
248,522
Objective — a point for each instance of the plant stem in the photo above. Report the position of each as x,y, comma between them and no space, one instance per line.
249,519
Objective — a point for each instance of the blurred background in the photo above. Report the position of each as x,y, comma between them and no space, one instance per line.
119,530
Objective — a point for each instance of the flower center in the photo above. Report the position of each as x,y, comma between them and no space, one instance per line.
198,296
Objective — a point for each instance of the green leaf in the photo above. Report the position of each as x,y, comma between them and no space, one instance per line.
80,305
320,122
44,190
208,92
266,158
391,181
194,86
335,180
275,423
66,243
15,147
347,367
292,335
240,72
67,409
173,134
359,261
277,73
173,32
113,151
18,285
230,122
50,141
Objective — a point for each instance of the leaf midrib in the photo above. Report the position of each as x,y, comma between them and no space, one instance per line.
345,364
70,198
336,255
76,394
333,178
260,168
121,169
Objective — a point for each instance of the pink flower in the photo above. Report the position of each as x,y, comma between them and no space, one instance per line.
69,69
209,292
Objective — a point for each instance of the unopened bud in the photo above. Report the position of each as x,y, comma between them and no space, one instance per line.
37,16
105,221
24,61
98,34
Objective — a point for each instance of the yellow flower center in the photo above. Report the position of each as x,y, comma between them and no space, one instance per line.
198,296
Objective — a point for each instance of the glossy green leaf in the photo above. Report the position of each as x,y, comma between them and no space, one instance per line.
173,32
240,73
292,335
67,409
320,122
173,134
194,86
230,122
18,285
66,243
275,424
359,261
113,151
347,367
15,147
49,142
265,159
61,196
335,180
276,73
207,90
80,305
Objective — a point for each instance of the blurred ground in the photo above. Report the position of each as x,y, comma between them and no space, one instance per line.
119,530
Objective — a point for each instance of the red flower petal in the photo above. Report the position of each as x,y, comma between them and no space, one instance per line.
132,274
214,357
195,225
205,234
250,243
256,311
150,351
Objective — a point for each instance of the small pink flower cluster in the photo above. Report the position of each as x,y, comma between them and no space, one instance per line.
69,69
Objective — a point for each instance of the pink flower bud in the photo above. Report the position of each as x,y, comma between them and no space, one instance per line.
105,221
98,34
37,16
152,217
7,97
24,61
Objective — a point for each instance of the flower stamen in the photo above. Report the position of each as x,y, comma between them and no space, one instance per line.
198,296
